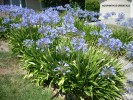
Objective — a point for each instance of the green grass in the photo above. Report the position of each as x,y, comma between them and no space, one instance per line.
14,87
12,84
7,60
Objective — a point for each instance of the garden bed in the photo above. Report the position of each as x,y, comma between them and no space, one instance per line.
58,48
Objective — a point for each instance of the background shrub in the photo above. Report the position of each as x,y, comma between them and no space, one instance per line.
92,5
73,3
53,3
80,3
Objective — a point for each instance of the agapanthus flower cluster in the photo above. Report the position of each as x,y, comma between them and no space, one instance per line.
61,30
94,32
107,72
106,40
61,8
50,16
93,15
6,20
129,49
5,8
53,15
62,49
103,41
67,6
16,11
62,67
30,17
101,25
125,24
79,13
109,14
43,43
68,23
121,17
79,44
130,21
94,19
45,29
2,29
114,44
106,33
28,43
18,25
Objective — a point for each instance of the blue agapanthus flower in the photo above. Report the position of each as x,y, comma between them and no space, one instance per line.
121,17
129,49
125,24
101,25
109,14
60,8
130,21
106,33
114,44
28,42
107,71
62,67
6,20
79,44
43,43
18,25
61,30
102,41
94,32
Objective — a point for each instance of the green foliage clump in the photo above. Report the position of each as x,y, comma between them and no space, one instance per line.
92,5
17,37
76,75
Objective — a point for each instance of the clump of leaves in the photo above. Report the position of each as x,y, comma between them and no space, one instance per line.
77,74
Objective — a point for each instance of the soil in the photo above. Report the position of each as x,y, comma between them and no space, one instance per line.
13,66
4,46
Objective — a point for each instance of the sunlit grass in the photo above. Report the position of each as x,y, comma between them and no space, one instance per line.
14,87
